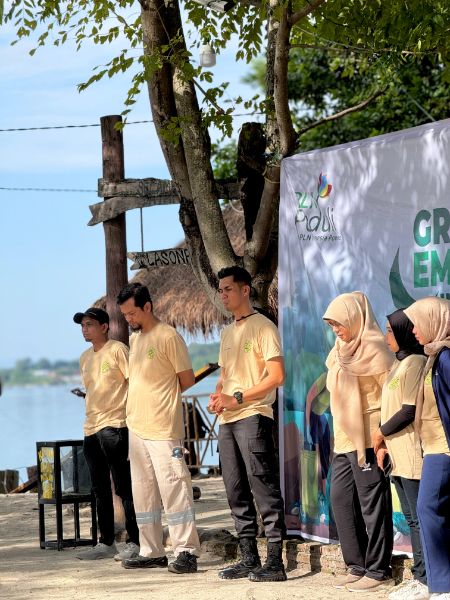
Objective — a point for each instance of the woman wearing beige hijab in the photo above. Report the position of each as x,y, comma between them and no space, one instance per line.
431,318
360,492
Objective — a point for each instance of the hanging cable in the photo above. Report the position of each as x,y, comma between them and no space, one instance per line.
142,231
30,189
50,127
46,127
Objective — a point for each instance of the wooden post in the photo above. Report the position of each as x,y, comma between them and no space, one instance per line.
115,229
116,249
9,479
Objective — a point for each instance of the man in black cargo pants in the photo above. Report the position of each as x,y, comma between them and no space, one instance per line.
252,368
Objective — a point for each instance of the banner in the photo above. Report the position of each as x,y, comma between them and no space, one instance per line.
374,216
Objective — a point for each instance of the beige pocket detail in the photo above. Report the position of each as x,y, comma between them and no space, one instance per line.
179,467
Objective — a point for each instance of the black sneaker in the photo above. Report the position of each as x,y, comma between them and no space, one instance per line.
144,562
184,563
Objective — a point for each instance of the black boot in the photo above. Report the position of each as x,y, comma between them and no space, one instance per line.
273,569
250,560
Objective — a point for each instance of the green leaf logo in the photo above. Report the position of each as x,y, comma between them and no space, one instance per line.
151,352
104,366
248,346
394,383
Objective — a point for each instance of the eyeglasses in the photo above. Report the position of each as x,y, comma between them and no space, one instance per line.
335,325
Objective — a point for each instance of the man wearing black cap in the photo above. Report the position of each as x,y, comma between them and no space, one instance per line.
104,372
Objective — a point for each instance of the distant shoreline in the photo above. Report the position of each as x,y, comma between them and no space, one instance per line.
44,372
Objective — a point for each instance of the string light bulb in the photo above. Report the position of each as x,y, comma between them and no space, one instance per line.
207,56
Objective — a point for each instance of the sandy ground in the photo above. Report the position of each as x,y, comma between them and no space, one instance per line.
27,572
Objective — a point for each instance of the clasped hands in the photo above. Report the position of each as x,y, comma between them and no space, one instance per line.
379,447
219,402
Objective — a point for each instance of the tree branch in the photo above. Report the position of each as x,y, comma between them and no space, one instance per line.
305,11
272,132
319,47
204,194
256,248
281,96
207,98
268,269
344,112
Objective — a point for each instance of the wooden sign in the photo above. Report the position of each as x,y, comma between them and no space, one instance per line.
159,258
139,193
155,188
113,207
144,188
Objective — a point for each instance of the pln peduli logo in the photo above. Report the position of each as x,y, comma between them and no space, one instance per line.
314,215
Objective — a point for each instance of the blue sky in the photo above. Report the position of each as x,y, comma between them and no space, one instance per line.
52,264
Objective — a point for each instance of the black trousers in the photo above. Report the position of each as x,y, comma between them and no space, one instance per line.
250,472
107,452
408,491
362,506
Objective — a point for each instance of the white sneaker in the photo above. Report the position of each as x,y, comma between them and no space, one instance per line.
99,551
131,550
410,590
443,596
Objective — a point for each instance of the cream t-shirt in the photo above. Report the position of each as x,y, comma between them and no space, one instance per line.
154,410
403,386
432,432
105,376
245,347
370,394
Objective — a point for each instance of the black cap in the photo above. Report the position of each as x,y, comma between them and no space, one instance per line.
95,313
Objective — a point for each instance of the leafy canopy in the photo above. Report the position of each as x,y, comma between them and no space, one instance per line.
370,39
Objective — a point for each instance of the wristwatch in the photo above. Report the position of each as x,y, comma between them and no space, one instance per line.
239,397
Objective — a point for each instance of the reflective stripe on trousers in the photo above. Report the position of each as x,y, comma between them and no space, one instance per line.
159,476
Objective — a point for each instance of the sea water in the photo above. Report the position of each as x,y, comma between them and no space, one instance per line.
30,414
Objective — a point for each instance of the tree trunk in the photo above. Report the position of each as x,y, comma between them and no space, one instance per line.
173,99
198,159
159,22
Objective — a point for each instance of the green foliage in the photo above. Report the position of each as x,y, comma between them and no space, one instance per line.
100,22
364,45
224,160
374,26
321,83
103,22
245,22
415,93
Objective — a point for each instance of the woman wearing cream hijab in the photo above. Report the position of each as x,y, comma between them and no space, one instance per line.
360,492
431,318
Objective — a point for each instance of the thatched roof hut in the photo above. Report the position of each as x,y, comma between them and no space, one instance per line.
177,296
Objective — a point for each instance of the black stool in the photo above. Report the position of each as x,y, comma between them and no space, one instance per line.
63,478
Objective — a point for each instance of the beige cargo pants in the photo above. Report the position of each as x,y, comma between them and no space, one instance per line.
159,474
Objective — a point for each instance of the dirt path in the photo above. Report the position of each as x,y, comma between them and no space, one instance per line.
27,572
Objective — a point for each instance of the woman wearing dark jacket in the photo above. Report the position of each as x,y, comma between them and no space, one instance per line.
431,319
402,392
